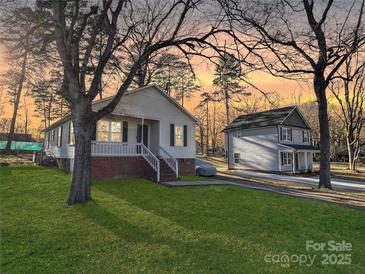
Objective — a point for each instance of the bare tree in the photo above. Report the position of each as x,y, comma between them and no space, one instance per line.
349,92
298,38
77,25
21,34
204,103
49,105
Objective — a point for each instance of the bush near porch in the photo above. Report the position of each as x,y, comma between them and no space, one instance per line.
135,226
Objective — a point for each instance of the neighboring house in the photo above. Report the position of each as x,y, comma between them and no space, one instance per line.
147,135
277,140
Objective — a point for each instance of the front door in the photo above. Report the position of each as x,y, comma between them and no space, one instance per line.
145,134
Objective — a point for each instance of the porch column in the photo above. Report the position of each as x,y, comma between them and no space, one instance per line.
142,130
279,161
293,153
306,161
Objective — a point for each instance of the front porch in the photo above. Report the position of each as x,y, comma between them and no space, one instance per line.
295,161
127,146
121,160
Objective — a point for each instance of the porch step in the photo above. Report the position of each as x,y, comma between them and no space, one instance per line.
166,173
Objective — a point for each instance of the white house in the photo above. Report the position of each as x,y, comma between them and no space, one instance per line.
147,135
278,140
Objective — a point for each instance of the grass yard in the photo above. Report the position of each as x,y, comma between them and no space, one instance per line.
135,226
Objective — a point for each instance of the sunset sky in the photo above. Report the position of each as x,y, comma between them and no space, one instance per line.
205,73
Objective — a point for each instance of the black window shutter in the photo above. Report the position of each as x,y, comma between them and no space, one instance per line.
282,158
281,133
290,134
185,136
125,131
172,135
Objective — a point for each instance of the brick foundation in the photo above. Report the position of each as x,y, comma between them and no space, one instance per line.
126,167
186,167
121,167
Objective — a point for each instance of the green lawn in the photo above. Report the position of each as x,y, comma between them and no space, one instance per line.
135,226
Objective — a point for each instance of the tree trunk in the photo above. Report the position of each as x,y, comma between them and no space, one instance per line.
207,139
227,104
325,172
201,129
214,137
84,128
16,105
350,151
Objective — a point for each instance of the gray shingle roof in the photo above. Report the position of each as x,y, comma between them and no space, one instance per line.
261,119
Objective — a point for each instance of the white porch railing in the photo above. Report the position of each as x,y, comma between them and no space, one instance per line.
151,159
170,160
114,149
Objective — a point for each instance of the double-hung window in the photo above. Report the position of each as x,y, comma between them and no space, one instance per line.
59,136
286,134
109,131
286,158
179,135
102,131
71,136
115,131
305,136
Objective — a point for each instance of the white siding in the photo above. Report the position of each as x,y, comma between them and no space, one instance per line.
258,148
157,110
66,150
151,104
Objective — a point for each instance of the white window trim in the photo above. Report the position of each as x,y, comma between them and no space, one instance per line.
59,136
110,131
286,161
308,138
72,134
182,136
286,129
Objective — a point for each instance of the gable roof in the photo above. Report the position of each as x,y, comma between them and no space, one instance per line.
164,94
290,116
96,105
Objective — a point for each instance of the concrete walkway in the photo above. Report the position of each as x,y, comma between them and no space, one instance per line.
344,184
196,183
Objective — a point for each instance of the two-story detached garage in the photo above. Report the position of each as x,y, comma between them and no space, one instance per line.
277,140
147,135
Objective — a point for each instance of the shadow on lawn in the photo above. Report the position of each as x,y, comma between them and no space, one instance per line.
135,224
120,228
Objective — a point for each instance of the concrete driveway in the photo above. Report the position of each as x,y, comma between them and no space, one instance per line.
344,184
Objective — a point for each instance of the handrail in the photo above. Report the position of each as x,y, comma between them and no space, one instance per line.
119,149
170,160
152,160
